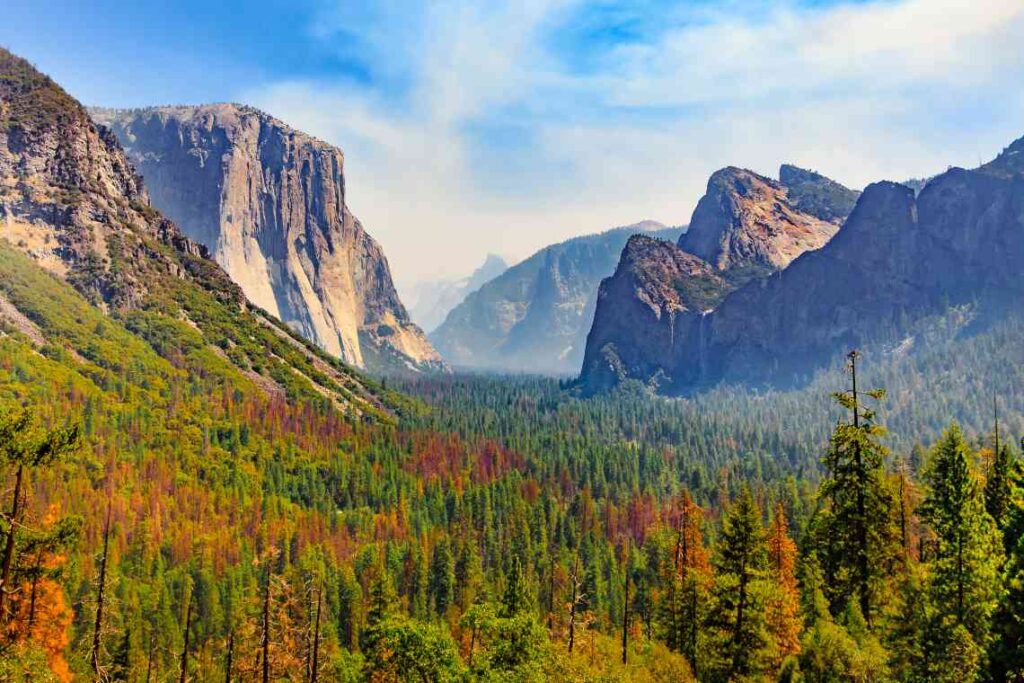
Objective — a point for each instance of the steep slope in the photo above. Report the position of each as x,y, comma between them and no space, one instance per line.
269,203
901,261
433,300
535,316
70,200
745,228
898,261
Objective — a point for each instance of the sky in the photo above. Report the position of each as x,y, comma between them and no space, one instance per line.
478,127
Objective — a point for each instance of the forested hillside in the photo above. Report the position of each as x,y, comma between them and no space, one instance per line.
188,492
494,523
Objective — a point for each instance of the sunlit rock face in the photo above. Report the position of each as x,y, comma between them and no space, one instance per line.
269,203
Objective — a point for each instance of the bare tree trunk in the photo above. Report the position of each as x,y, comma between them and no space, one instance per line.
315,674
184,648
8,560
266,628
149,657
231,652
97,629
625,620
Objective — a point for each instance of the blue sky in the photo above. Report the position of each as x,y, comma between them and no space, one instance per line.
504,126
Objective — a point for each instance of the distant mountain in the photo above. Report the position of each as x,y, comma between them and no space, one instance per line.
268,201
434,299
745,228
145,306
535,316
901,260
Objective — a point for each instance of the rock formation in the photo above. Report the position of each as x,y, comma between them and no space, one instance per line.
71,200
535,316
653,311
901,259
269,203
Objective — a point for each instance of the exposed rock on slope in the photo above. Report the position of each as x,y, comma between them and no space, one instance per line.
746,226
71,201
652,312
535,316
434,300
899,261
269,203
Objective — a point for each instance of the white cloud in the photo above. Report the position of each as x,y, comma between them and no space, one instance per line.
887,89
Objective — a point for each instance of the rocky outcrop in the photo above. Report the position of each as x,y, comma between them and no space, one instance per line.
269,203
652,315
901,259
69,196
433,300
655,302
71,200
898,260
746,226
536,315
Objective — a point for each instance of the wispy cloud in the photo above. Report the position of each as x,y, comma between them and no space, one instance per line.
478,127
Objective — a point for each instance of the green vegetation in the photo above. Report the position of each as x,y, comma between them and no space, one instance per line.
718,538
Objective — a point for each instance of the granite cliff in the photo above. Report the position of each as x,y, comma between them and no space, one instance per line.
268,202
72,202
654,309
534,317
901,260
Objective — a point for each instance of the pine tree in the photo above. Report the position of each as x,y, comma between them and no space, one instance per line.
687,582
965,586
441,584
783,608
738,615
516,599
855,537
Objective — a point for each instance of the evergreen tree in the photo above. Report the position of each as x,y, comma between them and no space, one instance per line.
855,536
965,587
441,585
738,615
783,606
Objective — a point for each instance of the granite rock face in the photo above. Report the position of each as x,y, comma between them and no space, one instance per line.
901,258
653,314
535,316
268,202
71,200
747,227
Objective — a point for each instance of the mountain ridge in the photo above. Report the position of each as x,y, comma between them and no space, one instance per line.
535,316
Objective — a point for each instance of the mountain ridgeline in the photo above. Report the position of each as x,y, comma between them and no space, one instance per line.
71,202
434,299
794,289
534,317
268,202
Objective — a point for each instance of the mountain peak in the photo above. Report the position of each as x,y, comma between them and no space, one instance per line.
746,225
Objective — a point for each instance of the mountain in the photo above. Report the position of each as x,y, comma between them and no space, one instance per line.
745,228
901,261
142,293
434,299
535,316
268,202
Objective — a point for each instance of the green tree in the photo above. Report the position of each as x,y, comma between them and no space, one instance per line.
24,445
855,535
965,587
738,615
441,585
